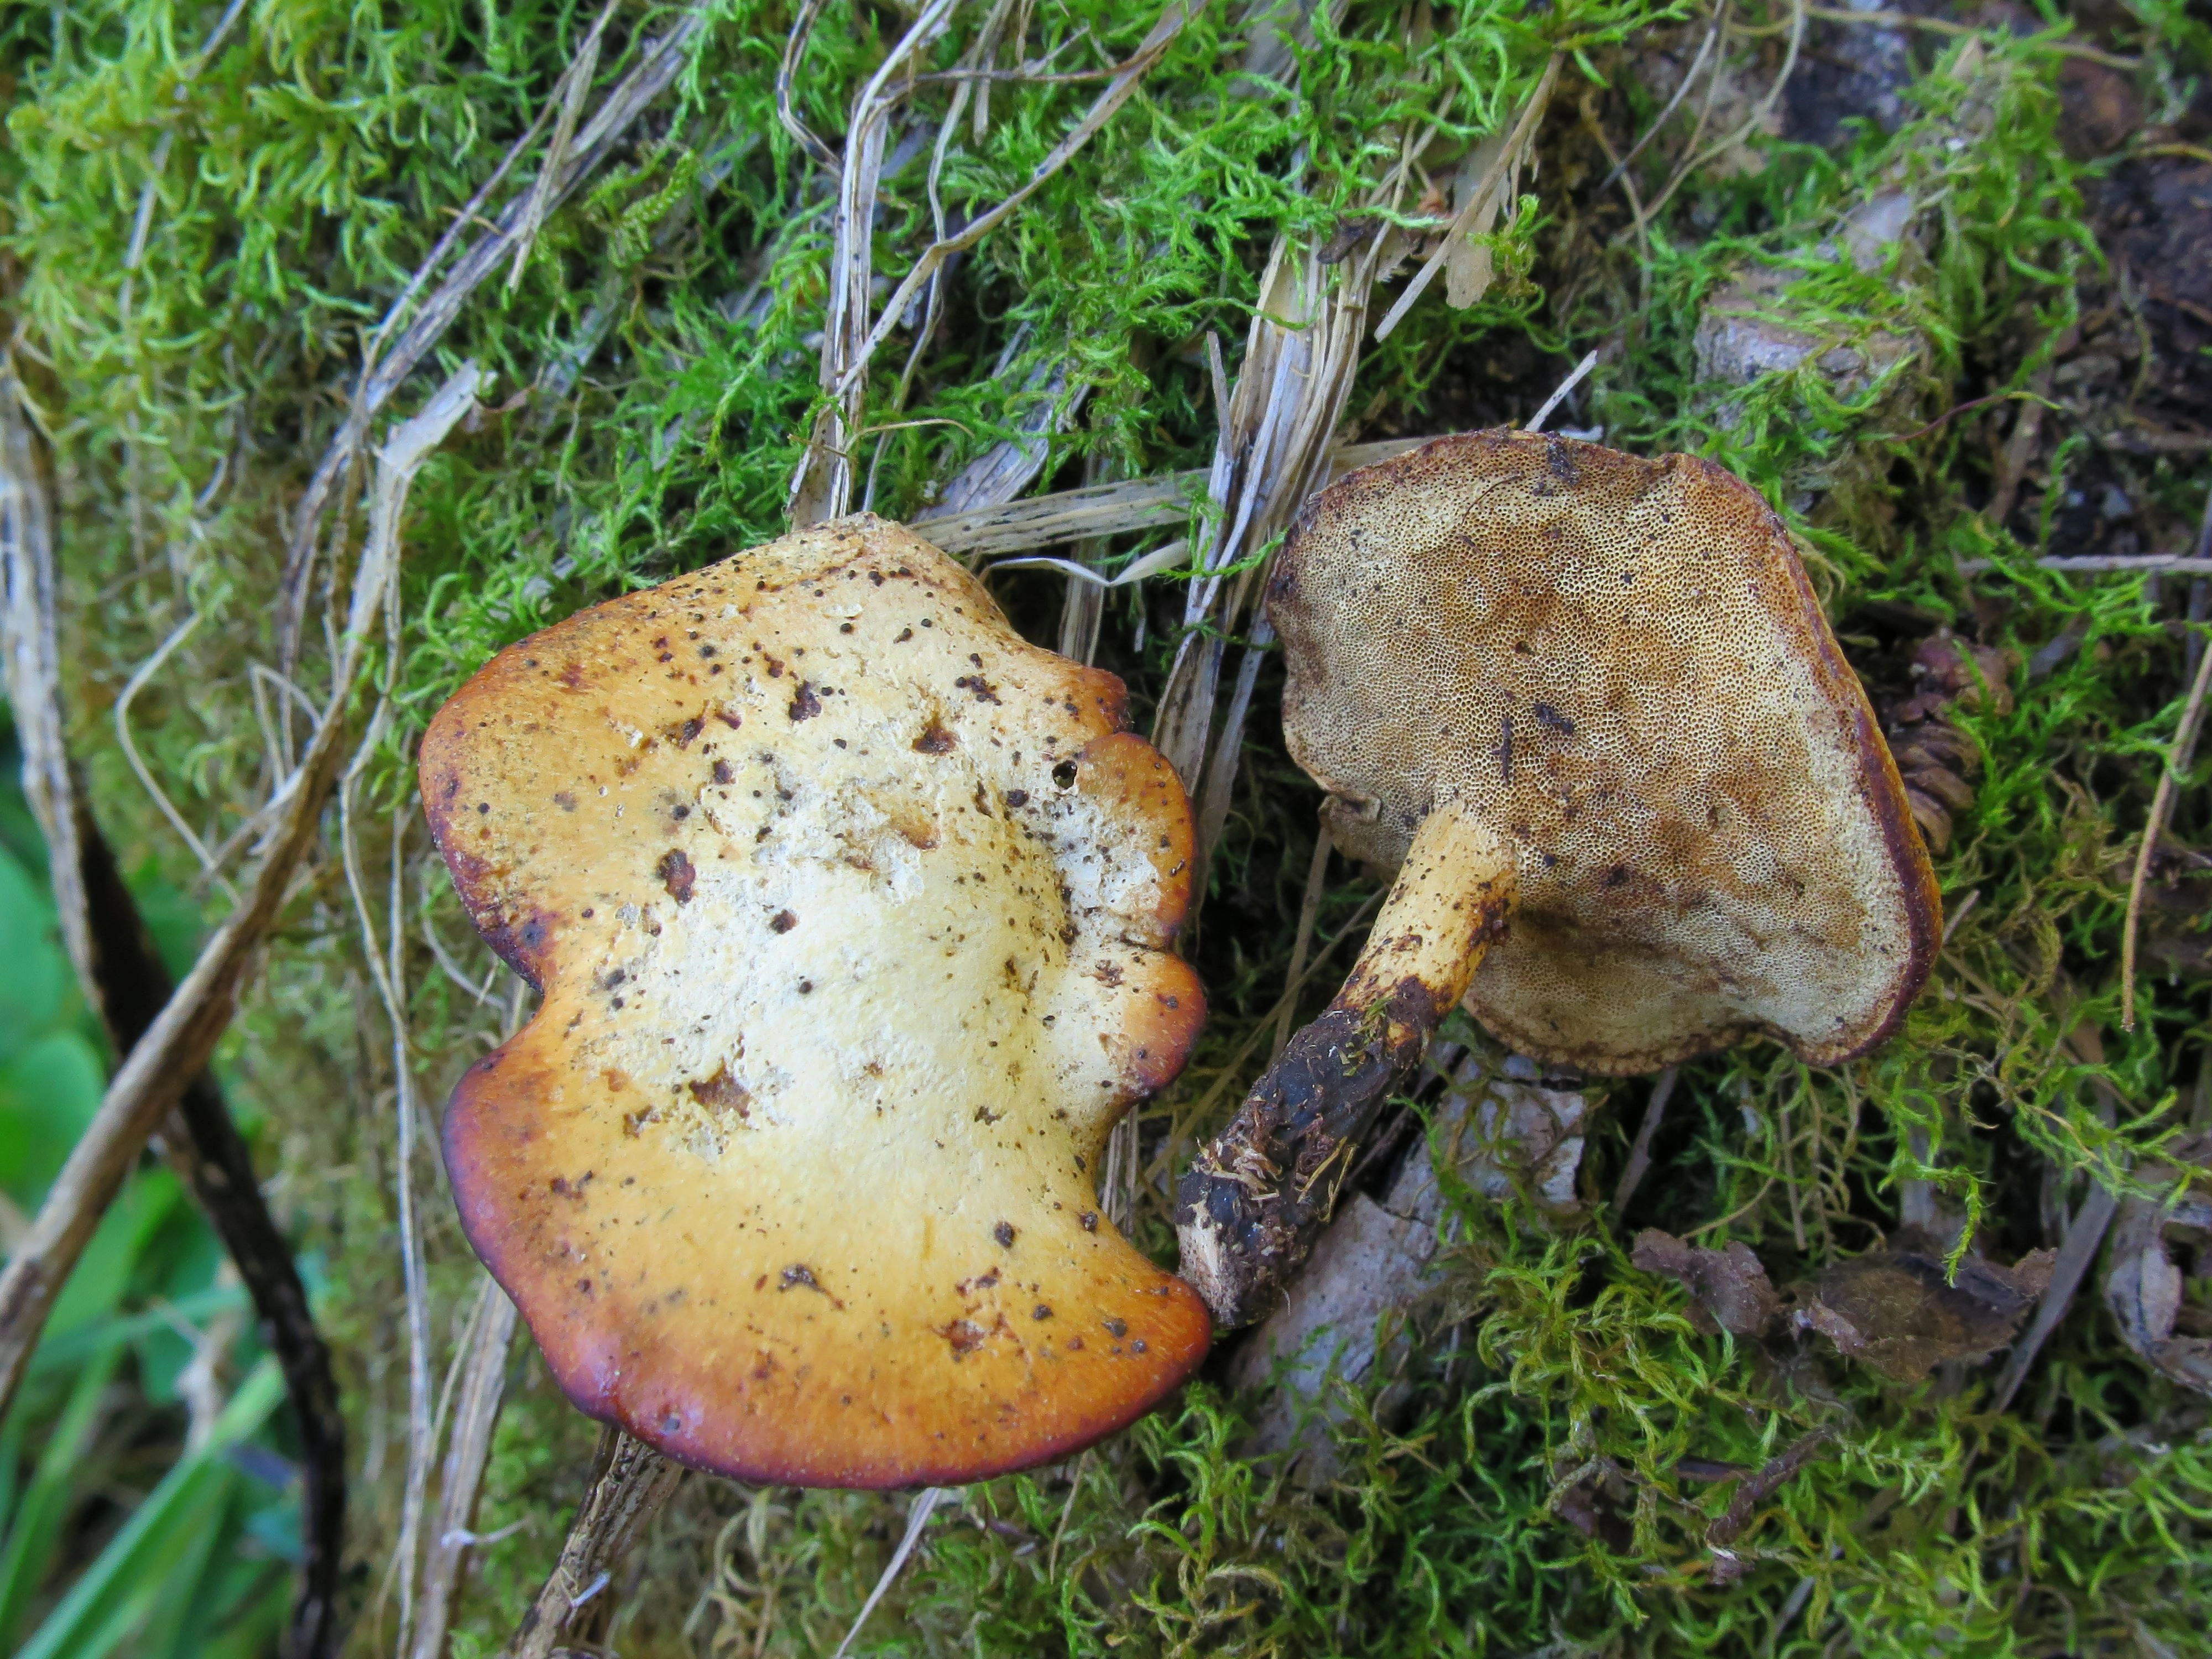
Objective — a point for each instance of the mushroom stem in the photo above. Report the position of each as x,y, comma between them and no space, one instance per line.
1257,1195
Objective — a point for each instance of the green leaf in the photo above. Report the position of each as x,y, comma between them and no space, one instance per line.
135,1572
37,1528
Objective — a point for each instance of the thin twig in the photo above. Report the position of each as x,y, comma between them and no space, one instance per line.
2109,564
576,81
2077,1250
483,1384
917,1517
123,977
1681,90
1761,1484
1508,160
1639,1154
794,49
1906,19
2182,753
1302,941
132,688
1117,93
1580,373
662,61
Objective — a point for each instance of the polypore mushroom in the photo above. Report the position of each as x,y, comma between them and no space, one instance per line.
850,912
1593,694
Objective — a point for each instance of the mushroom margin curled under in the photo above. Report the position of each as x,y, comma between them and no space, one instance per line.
850,912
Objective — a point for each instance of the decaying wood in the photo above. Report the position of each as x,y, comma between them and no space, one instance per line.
177,1046
2143,1287
1344,1323
123,978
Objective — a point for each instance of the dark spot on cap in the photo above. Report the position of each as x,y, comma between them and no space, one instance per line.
934,740
1088,1220
1116,1328
722,773
722,1092
1017,798
782,923
1064,775
676,874
1004,1233
805,705
1040,1312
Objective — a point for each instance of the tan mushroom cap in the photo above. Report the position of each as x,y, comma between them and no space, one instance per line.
1618,665
850,911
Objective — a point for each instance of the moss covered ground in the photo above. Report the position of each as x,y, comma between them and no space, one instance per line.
206,218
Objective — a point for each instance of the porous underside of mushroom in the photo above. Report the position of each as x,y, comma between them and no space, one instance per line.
1620,665
850,911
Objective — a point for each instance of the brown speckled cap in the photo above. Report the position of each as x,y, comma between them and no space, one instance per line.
1618,665
851,914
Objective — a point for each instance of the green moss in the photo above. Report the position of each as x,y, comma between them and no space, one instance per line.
658,351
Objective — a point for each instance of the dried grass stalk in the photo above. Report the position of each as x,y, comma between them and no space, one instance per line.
180,1043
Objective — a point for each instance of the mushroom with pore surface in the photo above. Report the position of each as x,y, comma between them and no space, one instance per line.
850,911
1587,706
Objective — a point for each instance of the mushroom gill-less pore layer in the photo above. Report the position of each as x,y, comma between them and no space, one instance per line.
850,913
1620,664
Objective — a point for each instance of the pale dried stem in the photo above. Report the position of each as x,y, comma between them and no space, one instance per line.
662,61
34,664
2179,759
822,487
482,1386
1122,508
1117,93
569,93
1309,914
124,980
1503,167
177,1046
208,865
917,1517
1639,1155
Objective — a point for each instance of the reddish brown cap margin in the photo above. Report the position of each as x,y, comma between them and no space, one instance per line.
850,911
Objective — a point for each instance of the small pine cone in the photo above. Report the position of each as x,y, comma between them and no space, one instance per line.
1934,758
